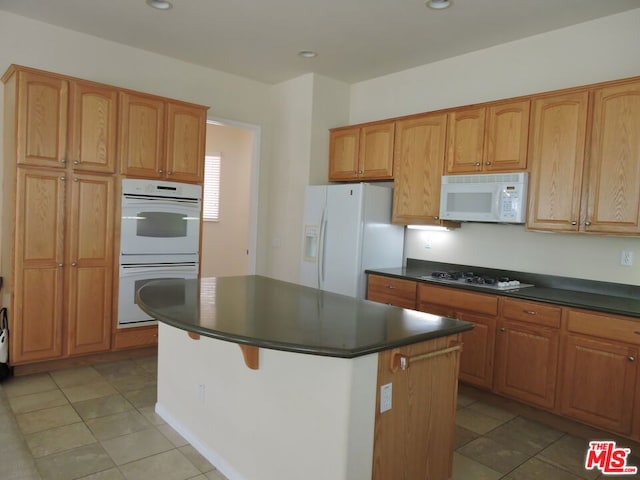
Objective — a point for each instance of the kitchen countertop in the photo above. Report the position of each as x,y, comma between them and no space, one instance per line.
263,312
604,297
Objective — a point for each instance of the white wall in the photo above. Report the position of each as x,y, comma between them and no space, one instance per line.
225,242
599,50
36,44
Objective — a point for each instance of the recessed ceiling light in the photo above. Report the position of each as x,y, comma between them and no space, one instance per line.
160,4
438,4
308,53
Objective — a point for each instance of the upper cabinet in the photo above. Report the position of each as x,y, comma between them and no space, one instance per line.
161,140
362,152
41,112
492,138
418,163
577,185
613,197
92,135
557,151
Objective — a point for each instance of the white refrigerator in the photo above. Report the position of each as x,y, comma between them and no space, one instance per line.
346,230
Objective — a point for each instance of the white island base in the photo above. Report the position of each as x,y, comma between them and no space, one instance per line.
311,417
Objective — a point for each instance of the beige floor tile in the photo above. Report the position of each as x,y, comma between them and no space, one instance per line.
475,421
74,463
463,436
150,364
494,455
569,454
114,370
171,465
111,426
467,469
48,418
173,436
102,406
72,377
37,401
464,401
535,469
87,391
145,397
134,446
525,435
196,458
150,414
491,411
136,381
59,439
111,474
16,386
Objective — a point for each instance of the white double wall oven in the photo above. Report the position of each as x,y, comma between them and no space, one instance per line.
159,239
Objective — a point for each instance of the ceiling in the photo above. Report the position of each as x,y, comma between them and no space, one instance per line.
355,39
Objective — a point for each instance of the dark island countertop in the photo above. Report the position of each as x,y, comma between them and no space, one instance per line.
263,312
605,297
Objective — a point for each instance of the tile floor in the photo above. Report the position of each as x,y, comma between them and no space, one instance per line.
98,422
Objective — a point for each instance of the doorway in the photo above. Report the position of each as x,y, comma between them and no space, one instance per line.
229,244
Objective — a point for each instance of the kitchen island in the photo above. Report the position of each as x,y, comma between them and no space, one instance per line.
323,386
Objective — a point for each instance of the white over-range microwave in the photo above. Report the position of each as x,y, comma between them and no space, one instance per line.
492,197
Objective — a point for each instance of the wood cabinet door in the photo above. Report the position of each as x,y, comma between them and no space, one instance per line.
507,136
93,120
419,154
478,348
186,132
36,320
141,136
613,204
557,151
527,362
42,120
465,140
344,147
599,382
90,264
376,151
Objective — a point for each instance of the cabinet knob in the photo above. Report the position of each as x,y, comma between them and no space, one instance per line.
632,359
60,265
360,172
160,171
502,329
487,163
63,160
574,223
587,223
477,164
169,173
391,287
76,179
436,218
63,179
76,162
529,312
74,264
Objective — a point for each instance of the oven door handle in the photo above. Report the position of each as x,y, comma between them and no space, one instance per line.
174,206
173,272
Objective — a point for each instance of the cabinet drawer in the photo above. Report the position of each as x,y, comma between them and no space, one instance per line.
604,326
531,312
394,291
135,337
458,299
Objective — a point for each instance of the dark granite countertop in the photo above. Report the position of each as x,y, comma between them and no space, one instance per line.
263,312
604,297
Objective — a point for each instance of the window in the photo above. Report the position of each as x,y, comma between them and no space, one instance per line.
211,194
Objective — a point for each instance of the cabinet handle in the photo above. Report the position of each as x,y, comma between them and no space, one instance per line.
529,312
632,359
391,287
76,162
60,265
574,223
436,218
502,329
74,264
487,163
160,171
587,223
63,160
63,179
477,164
360,172
169,173
76,179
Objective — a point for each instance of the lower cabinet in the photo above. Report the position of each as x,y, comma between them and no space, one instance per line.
527,350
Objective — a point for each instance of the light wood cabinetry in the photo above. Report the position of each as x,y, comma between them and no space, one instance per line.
490,138
594,189
419,154
527,351
392,291
362,152
557,152
415,438
600,372
476,361
160,139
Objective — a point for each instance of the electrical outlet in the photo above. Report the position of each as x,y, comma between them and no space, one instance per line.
626,258
386,394
201,392
428,243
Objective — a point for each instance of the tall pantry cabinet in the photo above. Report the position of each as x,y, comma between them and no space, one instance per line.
58,214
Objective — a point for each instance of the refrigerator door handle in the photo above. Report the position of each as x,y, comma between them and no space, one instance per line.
321,247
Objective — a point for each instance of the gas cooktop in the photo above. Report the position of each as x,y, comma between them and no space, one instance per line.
470,278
